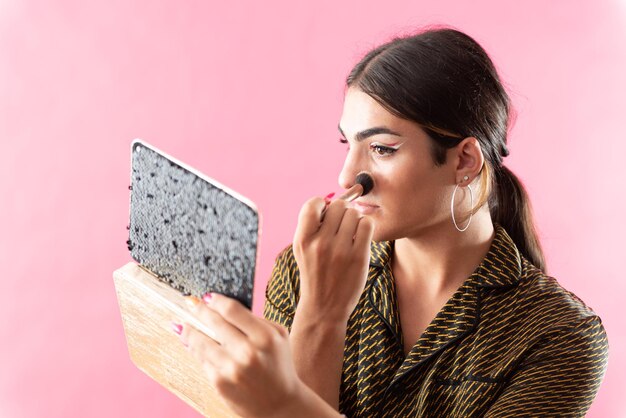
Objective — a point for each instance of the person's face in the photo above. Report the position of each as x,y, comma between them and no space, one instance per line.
411,194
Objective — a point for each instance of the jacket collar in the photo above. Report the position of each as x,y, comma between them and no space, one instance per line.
502,266
380,253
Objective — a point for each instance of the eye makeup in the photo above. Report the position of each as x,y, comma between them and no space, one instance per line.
384,149
378,148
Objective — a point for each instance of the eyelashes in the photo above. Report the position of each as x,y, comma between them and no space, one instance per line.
345,142
383,150
378,149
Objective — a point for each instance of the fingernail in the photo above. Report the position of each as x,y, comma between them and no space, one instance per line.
177,328
192,302
208,297
329,196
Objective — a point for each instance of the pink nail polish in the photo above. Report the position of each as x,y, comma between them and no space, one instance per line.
177,328
329,196
208,297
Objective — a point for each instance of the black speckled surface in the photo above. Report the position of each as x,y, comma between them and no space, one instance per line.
191,234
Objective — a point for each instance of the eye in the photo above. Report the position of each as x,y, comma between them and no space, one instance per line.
382,150
344,141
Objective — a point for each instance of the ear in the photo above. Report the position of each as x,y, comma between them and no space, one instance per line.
469,160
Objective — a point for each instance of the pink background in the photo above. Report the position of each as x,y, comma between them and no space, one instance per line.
251,93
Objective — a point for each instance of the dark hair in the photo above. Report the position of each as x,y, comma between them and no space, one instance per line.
444,80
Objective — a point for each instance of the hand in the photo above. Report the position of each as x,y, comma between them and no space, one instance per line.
251,366
332,256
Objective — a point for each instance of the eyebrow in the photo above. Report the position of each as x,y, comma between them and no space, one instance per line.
363,135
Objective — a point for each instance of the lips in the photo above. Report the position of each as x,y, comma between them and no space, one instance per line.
364,208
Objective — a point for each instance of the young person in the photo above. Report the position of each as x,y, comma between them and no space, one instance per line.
428,296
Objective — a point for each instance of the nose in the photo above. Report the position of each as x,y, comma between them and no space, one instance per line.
351,167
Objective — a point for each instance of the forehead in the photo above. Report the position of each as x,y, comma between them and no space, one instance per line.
361,112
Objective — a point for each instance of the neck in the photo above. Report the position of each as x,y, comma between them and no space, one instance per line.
440,259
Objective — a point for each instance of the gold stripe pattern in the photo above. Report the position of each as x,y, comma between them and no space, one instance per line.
510,342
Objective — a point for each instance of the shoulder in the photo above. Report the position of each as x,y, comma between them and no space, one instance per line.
552,345
523,294
546,300
545,313
543,325
523,306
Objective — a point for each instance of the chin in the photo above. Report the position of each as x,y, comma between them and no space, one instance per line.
383,234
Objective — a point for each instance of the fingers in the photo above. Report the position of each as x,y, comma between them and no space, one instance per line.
309,219
348,227
253,379
364,233
334,215
256,329
216,361
203,348
340,224
218,327
249,341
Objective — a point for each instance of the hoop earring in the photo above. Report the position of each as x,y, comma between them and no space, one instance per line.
452,209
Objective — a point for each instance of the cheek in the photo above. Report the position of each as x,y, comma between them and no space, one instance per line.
403,181
393,175
414,195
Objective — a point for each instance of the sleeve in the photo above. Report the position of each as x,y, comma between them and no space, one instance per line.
561,377
281,294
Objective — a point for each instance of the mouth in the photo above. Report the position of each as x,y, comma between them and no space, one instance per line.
364,208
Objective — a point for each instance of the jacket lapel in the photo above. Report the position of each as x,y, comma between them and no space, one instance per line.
501,267
457,318
382,292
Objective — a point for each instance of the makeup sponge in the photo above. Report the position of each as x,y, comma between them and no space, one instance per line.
190,233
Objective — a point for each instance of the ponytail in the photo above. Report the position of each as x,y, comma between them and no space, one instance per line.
510,207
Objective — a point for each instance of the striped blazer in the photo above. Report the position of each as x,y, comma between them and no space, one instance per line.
510,342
